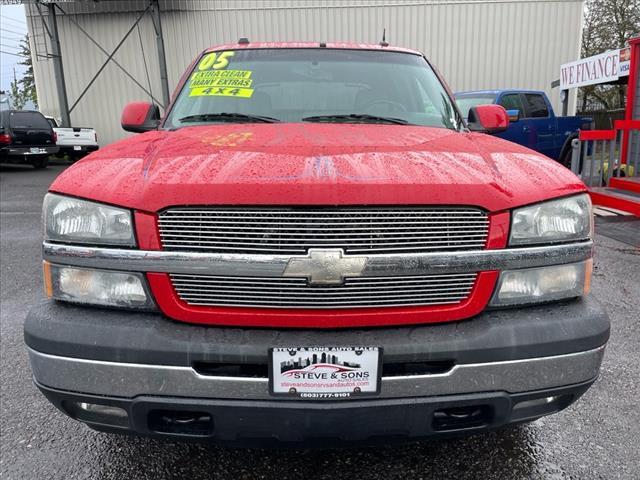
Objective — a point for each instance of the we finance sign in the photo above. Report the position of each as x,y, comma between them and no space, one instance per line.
603,68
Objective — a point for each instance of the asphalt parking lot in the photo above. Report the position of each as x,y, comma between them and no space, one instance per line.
595,438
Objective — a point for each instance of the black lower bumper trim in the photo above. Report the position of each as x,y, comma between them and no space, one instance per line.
71,150
326,424
150,338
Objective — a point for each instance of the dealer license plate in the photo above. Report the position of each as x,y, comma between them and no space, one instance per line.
318,373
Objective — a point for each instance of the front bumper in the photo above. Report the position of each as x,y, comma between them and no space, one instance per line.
502,367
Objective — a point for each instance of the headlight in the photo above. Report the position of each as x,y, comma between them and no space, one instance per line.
68,219
537,285
560,220
97,287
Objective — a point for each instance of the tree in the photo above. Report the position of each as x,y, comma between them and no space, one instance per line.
18,99
608,24
28,81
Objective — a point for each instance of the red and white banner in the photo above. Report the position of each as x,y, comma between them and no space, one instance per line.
602,68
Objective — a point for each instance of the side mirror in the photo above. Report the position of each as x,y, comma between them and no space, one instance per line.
488,119
514,115
140,117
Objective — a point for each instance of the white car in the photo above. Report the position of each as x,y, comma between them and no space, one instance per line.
76,142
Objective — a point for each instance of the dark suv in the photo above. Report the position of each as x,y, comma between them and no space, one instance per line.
26,137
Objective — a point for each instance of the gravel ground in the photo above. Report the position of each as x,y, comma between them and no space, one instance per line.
595,438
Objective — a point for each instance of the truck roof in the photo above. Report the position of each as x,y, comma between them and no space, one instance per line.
13,110
496,92
331,45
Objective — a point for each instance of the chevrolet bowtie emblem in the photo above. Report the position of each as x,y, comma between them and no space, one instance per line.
325,266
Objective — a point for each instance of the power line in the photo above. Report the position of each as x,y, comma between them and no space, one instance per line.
11,19
11,25
12,37
9,46
14,54
13,31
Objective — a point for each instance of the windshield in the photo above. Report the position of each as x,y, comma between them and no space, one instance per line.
28,120
313,85
465,103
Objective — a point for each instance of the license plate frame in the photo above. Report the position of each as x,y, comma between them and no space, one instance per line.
346,372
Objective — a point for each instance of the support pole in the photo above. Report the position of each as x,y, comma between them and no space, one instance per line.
575,156
58,71
162,61
565,102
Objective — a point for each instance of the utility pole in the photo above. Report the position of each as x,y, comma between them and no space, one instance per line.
162,61
58,71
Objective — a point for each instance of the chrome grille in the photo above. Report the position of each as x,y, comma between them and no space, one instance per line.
360,292
295,230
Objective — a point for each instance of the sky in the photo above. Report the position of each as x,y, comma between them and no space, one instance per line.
13,27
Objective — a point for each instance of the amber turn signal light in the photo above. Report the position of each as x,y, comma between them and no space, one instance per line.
48,284
588,270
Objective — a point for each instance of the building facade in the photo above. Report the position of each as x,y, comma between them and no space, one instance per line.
476,44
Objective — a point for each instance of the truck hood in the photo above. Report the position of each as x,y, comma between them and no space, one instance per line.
315,164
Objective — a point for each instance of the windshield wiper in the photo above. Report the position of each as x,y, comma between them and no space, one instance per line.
358,117
228,117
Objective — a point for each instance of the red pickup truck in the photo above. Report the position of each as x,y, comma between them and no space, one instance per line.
312,246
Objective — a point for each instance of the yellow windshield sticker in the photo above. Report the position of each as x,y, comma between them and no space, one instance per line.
215,60
221,92
221,78
221,82
221,74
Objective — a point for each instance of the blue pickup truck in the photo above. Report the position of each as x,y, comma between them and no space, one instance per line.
532,122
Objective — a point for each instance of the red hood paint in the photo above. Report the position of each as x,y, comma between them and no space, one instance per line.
316,164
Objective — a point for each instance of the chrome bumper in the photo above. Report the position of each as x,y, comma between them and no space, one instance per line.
259,265
128,380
